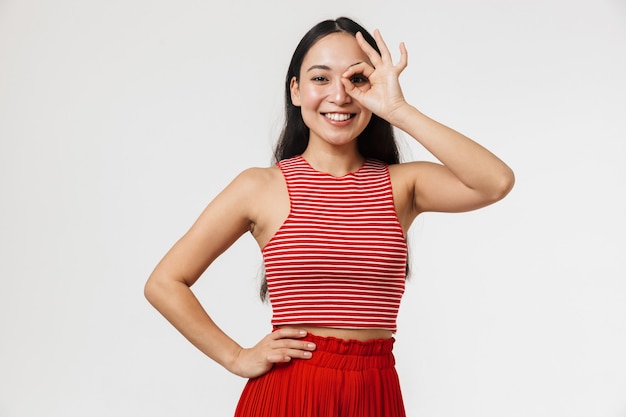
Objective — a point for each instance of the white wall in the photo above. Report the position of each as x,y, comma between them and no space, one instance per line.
120,120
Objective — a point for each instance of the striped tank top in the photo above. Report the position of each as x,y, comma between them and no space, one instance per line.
339,259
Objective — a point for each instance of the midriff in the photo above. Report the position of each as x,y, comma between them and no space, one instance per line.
362,335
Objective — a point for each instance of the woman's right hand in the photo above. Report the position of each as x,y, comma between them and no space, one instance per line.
280,346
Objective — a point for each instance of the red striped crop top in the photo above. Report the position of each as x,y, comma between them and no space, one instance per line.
339,259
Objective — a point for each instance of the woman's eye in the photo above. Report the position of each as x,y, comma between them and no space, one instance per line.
358,79
319,79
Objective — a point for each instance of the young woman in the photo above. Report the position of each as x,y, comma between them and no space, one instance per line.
331,219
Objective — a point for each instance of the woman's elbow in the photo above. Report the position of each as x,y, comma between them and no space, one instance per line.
153,289
503,186
149,290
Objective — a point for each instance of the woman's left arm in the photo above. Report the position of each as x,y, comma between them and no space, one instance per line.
469,175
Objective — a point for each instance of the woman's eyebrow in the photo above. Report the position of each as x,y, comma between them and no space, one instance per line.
322,67
326,67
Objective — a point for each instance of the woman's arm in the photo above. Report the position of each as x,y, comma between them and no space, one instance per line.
223,221
469,175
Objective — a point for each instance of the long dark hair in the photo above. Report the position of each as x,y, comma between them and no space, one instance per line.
377,141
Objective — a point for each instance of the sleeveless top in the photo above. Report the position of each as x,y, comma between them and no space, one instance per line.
339,259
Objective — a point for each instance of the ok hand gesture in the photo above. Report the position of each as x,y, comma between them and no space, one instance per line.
384,95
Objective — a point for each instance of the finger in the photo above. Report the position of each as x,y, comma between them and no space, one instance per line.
361,68
404,57
288,354
384,51
351,89
292,344
289,349
371,53
288,333
278,358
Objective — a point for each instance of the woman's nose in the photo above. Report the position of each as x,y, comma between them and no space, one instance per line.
338,93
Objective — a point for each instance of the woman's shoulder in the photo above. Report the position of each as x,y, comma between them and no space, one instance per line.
257,178
250,188
264,199
408,174
253,173
407,169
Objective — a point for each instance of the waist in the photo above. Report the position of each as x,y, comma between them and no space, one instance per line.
362,335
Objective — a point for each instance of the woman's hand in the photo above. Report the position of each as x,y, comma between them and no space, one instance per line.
279,346
384,95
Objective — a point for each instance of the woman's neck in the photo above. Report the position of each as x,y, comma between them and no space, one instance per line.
334,163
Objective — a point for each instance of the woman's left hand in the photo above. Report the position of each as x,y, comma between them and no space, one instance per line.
384,95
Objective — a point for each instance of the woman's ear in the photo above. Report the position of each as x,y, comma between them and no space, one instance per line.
295,92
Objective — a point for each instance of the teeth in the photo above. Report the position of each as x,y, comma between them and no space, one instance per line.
337,117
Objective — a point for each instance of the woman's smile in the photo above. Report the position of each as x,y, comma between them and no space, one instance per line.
339,117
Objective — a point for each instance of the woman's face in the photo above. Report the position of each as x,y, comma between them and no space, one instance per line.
328,111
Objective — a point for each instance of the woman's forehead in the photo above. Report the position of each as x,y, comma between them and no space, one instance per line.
334,51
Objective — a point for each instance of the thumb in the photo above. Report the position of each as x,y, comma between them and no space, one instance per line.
351,89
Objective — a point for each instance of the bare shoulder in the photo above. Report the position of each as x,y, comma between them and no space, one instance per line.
408,168
263,192
405,174
262,174
258,180
266,200
407,181
240,199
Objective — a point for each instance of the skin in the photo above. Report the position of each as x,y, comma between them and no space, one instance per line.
341,74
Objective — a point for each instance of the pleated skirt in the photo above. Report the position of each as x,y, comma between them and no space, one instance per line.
344,378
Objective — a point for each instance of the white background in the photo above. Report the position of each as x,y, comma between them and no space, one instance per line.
120,120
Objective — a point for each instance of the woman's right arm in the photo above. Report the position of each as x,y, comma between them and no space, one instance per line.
223,221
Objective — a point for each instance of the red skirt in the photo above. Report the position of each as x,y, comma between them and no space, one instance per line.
344,378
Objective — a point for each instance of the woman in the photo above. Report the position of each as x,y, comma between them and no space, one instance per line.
331,219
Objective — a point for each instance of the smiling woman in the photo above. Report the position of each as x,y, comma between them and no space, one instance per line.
330,219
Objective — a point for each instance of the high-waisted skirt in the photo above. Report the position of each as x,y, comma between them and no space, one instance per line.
344,378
